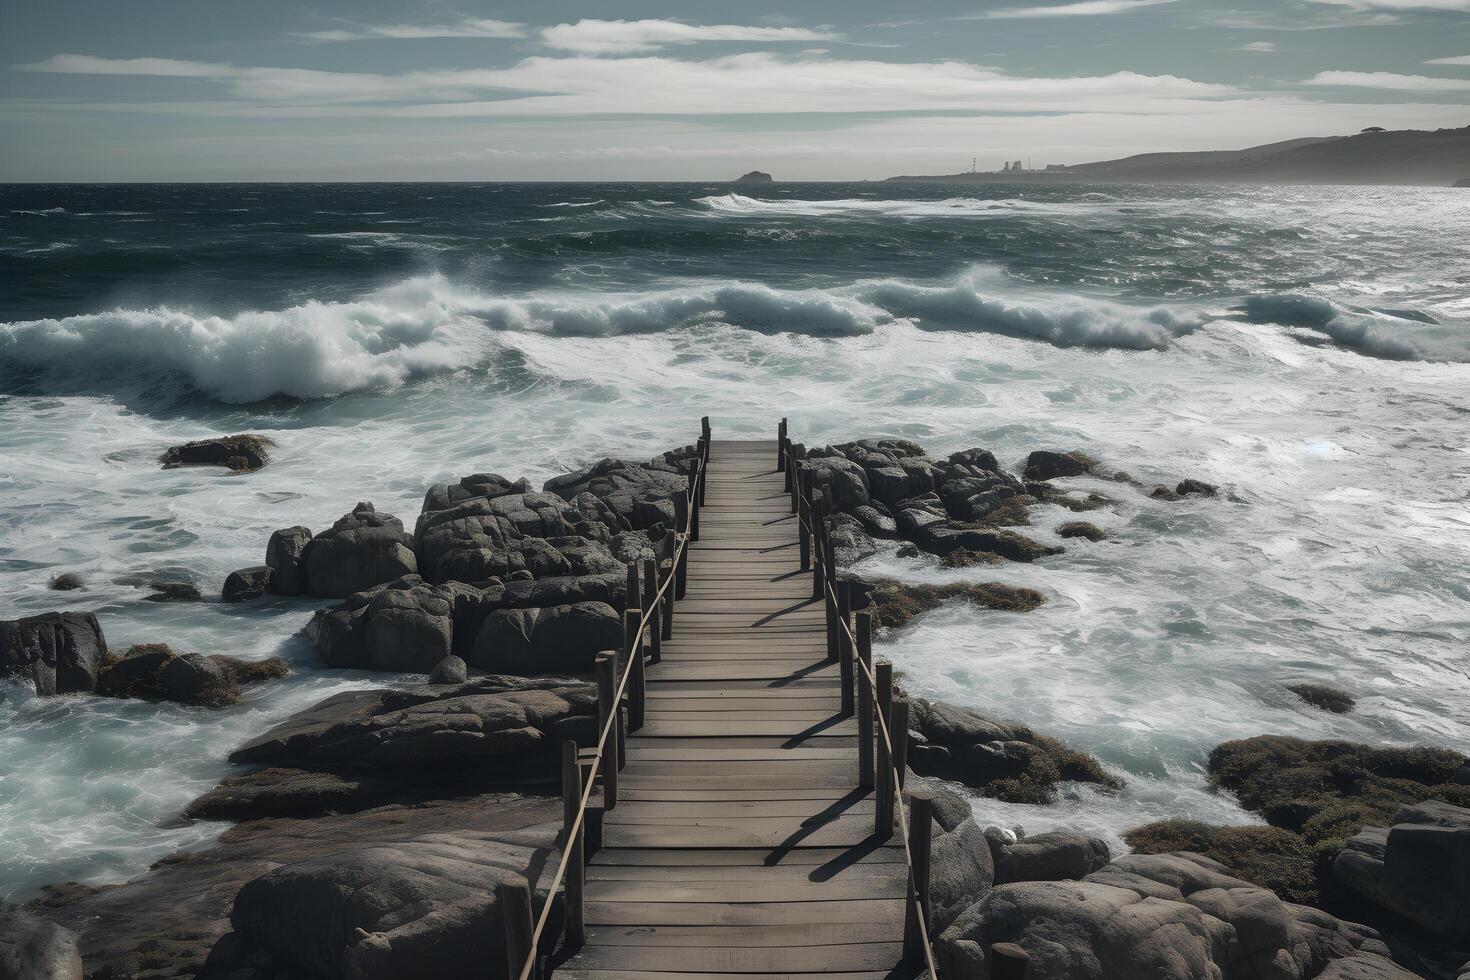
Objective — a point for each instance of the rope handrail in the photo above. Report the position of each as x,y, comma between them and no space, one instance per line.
614,719
897,782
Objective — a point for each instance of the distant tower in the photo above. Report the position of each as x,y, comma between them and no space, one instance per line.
974,162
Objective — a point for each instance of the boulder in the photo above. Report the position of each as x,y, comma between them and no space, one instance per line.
1188,488
974,498
844,482
155,671
404,625
1048,465
1001,759
173,592
1081,529
1166,917
285,557
850,543
1324,697
245,584
450,670
363,549
426,907
638,495
442,496
496,537
34,949
59,652
242,453
1052,856
1417,870
511,726
547,639
974,459
894,603
941,539
960,867
65,582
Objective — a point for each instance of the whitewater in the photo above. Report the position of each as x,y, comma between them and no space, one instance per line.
1308,350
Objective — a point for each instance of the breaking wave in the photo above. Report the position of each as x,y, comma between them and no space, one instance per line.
428,325
739,204
1401,335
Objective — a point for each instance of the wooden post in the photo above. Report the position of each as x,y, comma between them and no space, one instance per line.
668,600
681,572
844,647
804,535
819,574
793,483
681,511
898,727
883,792
633,599
655,611
1008,962
697,498
606,688
865,698
576,874
921,819
513,897
703,464
781,445
829,604
637,685
704,430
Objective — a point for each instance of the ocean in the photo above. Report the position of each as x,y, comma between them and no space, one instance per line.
1307,349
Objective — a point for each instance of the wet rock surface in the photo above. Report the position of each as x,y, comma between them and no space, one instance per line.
59,653
31,948
894,604
361,550
241,453
155,671
1324,697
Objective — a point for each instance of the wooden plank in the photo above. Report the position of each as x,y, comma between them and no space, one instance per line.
739,959
743,914
664,809
810,934
890,853
842,832
562,974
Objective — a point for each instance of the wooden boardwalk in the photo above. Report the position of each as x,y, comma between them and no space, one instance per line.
740,844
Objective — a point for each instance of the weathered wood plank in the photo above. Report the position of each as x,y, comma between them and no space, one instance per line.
740,959
743,914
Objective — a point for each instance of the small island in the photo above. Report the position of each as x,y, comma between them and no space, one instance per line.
755,177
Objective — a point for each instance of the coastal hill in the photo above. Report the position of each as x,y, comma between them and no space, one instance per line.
1440,157
754,177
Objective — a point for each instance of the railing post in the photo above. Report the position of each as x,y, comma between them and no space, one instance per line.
844,646
606,709
704,455
804,535
883,792
1008,962
633,599
921,818
829,604
513,898
576,873
781,446
898,727
704,429
655,611
793,485
681,510
819,574
681,572
865,698
637,686
668,600
697,497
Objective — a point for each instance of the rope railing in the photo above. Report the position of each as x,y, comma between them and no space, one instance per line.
850,650
523,945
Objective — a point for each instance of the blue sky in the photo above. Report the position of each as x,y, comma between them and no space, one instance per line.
203,90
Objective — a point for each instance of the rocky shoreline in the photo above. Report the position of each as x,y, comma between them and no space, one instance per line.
370,829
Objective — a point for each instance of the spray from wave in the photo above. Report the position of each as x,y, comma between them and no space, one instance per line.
1401,335
958,207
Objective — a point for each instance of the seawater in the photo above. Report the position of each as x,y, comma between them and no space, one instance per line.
1305,349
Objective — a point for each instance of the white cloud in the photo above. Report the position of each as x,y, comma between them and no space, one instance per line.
590,36
1399,4
469,27
1265,47
1463,59
1390,81
1086,8
751,83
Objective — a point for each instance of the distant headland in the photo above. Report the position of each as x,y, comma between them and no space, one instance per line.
1374,156
755,177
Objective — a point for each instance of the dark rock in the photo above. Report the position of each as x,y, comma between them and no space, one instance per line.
755,177
424,907
980,459
173,592
493,722
65,582
363,549
1048,465
155,671
442,496
245,584
1417,870
33,949
844,482
1003,760
549,639
242,453
558,590
941,539
1196,488
164,923
850,543
1081,529
968,559
498,537
639,495
402,625
450,670
1324,697
59,653
278,792
1166,917
961,870
896,603
876,520
1051,857
976,498
285,557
